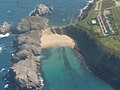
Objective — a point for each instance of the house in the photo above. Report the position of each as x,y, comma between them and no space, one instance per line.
94,22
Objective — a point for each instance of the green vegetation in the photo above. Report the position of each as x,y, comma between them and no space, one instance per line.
86,22
37,19
34,34
112,41
89,26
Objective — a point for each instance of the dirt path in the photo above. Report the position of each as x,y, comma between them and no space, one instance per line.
117,3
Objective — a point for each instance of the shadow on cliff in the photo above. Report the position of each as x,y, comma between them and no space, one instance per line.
99,60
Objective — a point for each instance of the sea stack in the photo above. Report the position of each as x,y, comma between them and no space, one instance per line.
40,10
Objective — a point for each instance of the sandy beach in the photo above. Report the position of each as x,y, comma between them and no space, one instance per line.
51,40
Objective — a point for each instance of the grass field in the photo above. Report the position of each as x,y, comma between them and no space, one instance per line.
111,42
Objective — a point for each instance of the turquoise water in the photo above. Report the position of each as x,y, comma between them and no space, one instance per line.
62,70
13,10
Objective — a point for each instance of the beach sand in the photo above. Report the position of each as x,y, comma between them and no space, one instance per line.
51,40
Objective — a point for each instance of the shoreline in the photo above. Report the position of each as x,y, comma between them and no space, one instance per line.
61,40
84,11
24,73
49,39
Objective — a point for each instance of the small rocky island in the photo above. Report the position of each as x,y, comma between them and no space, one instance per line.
5,27
40,10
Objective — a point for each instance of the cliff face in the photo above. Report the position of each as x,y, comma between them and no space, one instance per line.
100,61
25,61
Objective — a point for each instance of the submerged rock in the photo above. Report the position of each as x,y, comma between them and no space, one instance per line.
40,10
5,27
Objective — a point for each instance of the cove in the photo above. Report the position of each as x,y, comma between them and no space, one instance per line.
63,70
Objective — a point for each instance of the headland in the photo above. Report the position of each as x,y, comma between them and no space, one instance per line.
87,37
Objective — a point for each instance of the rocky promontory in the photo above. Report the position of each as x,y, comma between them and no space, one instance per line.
40,10
25,60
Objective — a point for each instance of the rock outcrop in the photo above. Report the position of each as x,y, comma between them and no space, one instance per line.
5,27
40,10
84,12
25,59
30,23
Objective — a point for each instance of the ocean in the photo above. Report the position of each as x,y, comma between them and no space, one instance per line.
63,70
69,68
64,12
6,51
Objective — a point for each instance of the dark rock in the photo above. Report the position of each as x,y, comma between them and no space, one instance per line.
40,10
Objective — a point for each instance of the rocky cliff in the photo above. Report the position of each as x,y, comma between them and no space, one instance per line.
99,60
25,60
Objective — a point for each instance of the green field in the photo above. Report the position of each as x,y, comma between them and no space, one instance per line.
112,41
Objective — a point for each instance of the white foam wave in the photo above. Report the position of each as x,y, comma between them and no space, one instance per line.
41,80
84,8
4,35
2,70
6,86
90,1
1,49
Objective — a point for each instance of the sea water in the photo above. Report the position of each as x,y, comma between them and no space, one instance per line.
64,12
13,10
63,70
6,51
